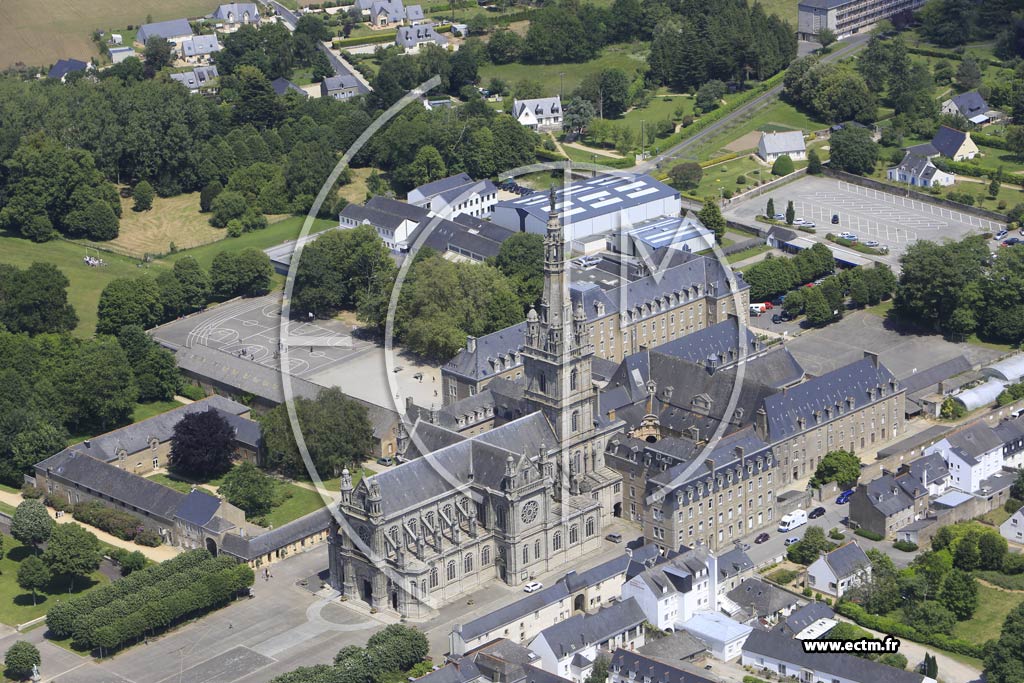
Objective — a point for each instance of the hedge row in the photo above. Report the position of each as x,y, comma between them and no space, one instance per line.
124,525
962,168
1010,583
719,160
941,54
384,37
184,594
900,630
870,535
990,141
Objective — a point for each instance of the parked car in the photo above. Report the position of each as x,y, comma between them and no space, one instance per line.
776,319
533,587
1001,234
835,219
792,539
761,538
614,538
387,462
848,236
810,224
786,317
779,216
742,546
844,497
870,243
816,512
1021,232
1011,241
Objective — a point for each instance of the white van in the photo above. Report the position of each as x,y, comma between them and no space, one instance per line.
793,520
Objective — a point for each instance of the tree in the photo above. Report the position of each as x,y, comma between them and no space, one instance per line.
839,466
396,648
826,37
686,176
806,550
33,575
608,90
202,444
813,162
931,666
227,206
99,385
129,301
994,186
770,209
790,212
852,150
599,673
143,195
968,74
208,194
35,300
504,46
72,551
31,524
793,303
965,554
244,273
131,562
992,550
249,488
783,166
159,53
427,167
21,659
1004,660
930,617
711,217
959,594
893,659
710,95
578,115
521,259
194,283
816,307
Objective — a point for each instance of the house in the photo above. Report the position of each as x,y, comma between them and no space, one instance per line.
499,660
386,13
410,38
811,621
930,471
199,48
790,143
342,87
393,220
723,636
759,601
414,14
119,54
838,571
282,86
201,78
768,651
633,667
970,105
1011,433
919,171
887,504
540,114
63,67
570,648
733,567
972,455
236,14
455,195
950,143
1013,528
174,31
671,592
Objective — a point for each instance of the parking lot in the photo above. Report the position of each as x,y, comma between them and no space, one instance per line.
891,220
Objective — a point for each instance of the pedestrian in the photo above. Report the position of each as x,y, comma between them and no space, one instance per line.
230,626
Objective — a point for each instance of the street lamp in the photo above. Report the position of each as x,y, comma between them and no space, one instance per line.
561,80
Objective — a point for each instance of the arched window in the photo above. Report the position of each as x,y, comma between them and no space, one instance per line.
536,548
467,563
433,577
448,513
393,533
485,556
575,420
526,554
556,542
574,534
572,379
423,587
590,526
451,570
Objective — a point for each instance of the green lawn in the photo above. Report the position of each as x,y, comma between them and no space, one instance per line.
973,339
272,235
747,253
145,411
661,107
171,481
993,606
881,310
301,502
778,116
583,156
334,484
723,177
16,604
785,9
629,57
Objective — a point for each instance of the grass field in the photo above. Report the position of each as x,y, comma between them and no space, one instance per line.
785,9
172,220
723,177
747,253
660,108
775,117
993,606
42,31
301,502
629,57
16,604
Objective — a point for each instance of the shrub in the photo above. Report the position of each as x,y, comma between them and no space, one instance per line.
122,524
29,492
807,592
783,166
899,629
753,679
836,535
870,535
148,538
905,546
1003,579
192,392
1012,505
1013,564
783,576
741,179
727,194
58,503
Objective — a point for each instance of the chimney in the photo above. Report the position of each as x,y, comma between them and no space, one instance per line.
872,356
611,415
471,344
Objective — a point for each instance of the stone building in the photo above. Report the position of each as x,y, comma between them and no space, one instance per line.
518,500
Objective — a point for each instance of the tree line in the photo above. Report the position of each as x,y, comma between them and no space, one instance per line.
394,649
775,276
824,303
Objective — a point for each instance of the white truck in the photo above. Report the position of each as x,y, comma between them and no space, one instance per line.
792,520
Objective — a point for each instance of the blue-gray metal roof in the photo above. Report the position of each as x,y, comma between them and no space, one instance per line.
164,29
65,66
668,230
970,104
582,630
197,507
632,665
948,140
200,45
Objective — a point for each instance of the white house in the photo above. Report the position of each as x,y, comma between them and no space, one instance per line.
840,570
119,54
670,593
394,221
544,113
972,455
570,648
236,14
774,145
723,636
1013,528
919,171
769,651
971,105
174,31
457,194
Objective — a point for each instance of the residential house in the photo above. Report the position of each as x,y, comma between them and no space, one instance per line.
570,648
199,79
633,667
236,14
790,143
950,143
342,87
410,38
540,114
455,195
282,86
733,567
393,220
119,54
970,105
723,636
810,622
760,602
887,504
174,31
1011,433
385,13
838,571
930,471
63,67
198,49
499,661
972,455
1013,528
768,651
671,592
919,171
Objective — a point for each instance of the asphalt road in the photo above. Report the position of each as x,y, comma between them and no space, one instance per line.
848,47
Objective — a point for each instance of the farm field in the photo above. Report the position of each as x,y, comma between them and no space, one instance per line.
41,32
629,57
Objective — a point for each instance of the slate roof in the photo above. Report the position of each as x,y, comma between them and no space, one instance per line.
200,45
928,468
197,77
238,9
163,29
197,507
928,377
783,142
251,547
766,599
847,560
807,615
393,206
947,141
98,477
674,647
734,562
917,166
541,106
283,86
436,187
65,66
815,395
477,365
341,82
625,662
411,36
887,496
581,630
970,104
973,441
777,646
711,342
414,13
